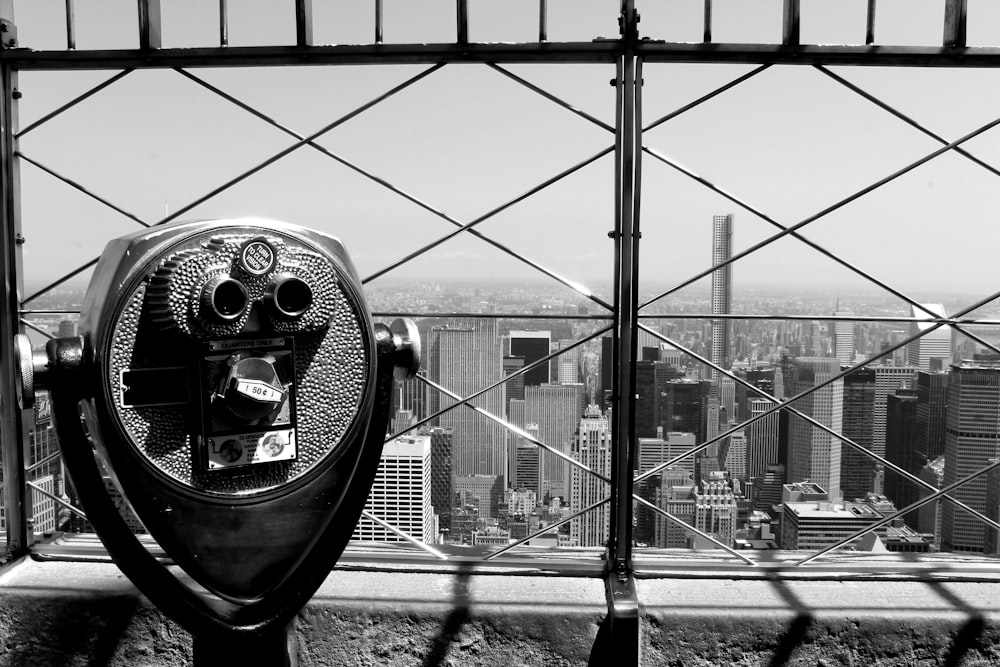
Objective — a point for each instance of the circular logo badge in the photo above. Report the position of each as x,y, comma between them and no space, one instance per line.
257,257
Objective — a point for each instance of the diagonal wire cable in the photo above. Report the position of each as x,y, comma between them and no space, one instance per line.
73,184
406,536
659,510
512,428
786,405
903,117
35,327
909,508
387,185
824,212
705,98
548,529
267,162
495,211
72,103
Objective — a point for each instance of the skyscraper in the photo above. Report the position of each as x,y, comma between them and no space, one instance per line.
592,448
857,470
556,410
888,379
814,454
843,338
901,448
722,285
762,438
972,438
532,345
401,493
930,346
468,358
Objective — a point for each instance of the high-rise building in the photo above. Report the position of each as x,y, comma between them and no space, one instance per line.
441,493
887,380
401,493
532,345
736,455
568,364
556,410
762,437
592,448
934,345
932,402
814,454
843,337
857,470
901,449
678,500
684,407
972,438
722,289
515,385
468,358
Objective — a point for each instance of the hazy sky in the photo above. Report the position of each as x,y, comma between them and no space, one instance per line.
467,139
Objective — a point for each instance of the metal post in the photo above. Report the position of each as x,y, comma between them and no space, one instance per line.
223,23
707,25
870,23
15,424
150,32
623,608
543,20
462,11
790,27
303,22
70,25
955,23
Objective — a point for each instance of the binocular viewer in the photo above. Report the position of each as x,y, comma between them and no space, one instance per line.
235,389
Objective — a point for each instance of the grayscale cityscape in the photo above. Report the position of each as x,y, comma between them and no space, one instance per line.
714,449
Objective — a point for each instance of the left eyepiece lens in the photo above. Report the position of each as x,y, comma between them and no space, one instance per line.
224,299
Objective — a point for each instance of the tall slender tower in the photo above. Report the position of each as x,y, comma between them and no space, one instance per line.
722,285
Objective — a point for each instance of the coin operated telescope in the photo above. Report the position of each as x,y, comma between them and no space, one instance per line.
235,389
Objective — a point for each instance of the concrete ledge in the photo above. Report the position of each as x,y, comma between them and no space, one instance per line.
59,614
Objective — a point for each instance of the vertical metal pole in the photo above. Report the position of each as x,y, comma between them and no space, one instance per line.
303,22
150,32
378,21
790,27
15,424
707,25
954,23
70,26
543,20
870,25
462,9
223,23
623,607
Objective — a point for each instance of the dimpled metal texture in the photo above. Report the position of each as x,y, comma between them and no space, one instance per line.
331,360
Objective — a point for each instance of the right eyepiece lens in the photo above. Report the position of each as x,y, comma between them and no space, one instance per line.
289,295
